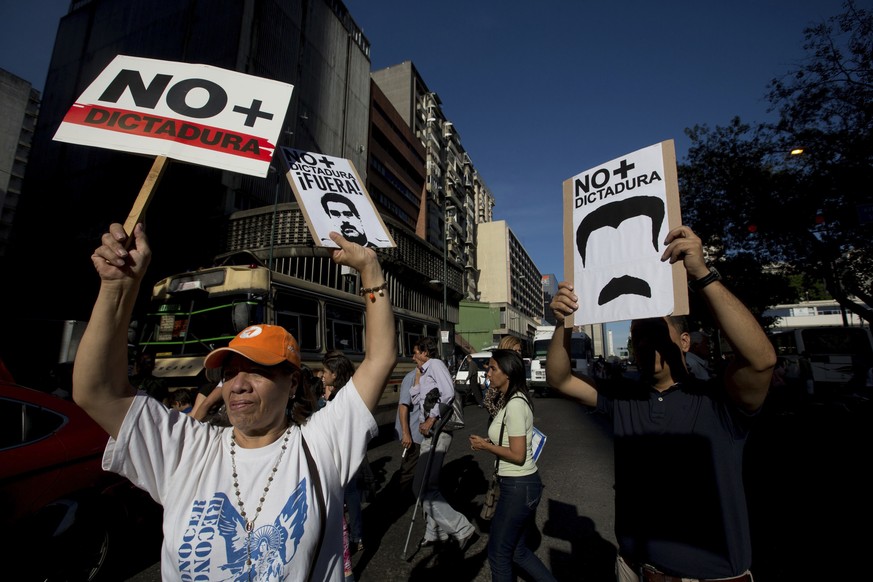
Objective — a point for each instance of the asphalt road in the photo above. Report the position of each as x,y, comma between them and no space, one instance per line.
806,466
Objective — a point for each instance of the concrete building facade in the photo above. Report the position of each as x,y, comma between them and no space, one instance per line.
390,124
314,45
511,284
456,199
812,314
19,108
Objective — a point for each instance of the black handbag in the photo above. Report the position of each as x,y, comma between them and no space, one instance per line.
492,496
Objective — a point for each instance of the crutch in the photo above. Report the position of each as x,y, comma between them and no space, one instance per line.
446,411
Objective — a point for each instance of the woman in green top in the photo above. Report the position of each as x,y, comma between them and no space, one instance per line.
520,485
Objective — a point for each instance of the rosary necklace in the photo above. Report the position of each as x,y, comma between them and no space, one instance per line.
250,525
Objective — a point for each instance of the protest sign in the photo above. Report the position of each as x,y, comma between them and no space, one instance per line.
616,217
332,197
195,113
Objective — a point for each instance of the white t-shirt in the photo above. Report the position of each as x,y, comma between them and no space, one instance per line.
185,466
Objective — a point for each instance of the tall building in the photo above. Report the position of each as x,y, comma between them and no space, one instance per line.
314,45
19,107
457,199
511,285
389,124
396,172
550,289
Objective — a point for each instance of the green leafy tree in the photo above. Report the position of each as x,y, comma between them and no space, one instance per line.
806,214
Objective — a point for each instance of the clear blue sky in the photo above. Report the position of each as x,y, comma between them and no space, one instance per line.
540,91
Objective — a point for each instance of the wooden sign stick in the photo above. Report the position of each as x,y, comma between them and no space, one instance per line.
141,204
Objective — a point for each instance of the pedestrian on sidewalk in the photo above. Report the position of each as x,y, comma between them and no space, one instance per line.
509,439
473,380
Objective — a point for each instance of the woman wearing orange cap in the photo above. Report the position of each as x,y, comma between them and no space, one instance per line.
263,498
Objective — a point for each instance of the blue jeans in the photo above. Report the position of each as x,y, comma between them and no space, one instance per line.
516,512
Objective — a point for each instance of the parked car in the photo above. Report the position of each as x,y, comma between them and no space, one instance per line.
62,513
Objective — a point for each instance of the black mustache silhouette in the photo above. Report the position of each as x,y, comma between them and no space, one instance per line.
624,285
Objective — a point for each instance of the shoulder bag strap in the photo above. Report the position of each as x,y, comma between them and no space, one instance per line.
499,443
319,494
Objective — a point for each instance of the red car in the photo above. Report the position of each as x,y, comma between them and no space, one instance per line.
61,513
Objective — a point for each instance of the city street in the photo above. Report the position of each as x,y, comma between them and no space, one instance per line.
574,518
808,498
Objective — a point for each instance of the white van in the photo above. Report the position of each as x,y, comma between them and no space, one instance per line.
823,358
481,358
462,375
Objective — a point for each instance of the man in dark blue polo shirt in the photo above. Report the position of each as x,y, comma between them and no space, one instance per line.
680,506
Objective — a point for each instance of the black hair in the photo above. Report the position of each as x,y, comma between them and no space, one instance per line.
334,197
338,363
679,323
303,403
511,364
428,345
652,335
182,396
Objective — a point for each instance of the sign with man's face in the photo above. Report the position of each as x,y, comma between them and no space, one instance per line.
333,198
616,217
194,113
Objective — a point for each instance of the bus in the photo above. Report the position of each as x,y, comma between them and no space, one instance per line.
581,355
195,312
823,359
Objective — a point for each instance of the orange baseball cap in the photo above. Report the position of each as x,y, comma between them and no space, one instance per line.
264,344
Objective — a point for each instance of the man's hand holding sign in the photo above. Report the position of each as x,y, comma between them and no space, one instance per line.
193,113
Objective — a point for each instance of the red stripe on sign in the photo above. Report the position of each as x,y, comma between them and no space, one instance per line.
169,129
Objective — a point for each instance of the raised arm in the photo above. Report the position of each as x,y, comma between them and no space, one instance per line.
202,404
747,377
380,342
558,370
100,383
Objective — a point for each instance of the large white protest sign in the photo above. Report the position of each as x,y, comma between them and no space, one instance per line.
333,198
616,217
195,113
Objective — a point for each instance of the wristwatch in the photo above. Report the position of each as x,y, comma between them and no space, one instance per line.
699,284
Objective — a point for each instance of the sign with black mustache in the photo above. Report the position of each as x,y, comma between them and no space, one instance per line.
616,217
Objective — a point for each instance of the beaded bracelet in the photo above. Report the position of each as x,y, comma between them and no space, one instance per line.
372,291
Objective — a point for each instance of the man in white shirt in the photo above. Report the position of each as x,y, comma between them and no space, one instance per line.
435,386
